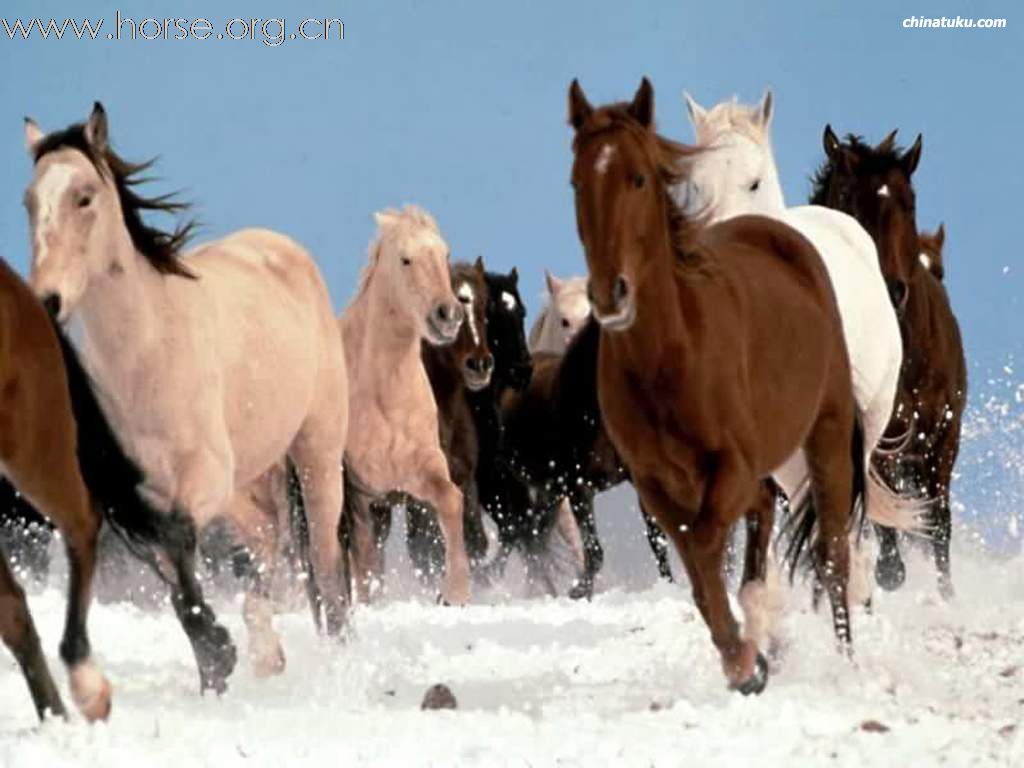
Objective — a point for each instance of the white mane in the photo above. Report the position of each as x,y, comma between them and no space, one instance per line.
732,116
394,223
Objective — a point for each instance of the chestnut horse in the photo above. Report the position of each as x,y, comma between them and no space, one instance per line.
930,251
58,449
721,355
873,184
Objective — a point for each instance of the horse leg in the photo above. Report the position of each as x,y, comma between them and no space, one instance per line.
828,451
19,635
702,550
659,544
255,519
473,524
939,474
890,572
753,595
435,486
582,501
317,455
424,542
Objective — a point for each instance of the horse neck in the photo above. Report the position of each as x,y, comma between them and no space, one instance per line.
120,316
381,335
577,374
445,378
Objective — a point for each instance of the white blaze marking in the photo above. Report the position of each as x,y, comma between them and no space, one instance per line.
49,191
466,296
508,300
604,158
883,191
925,259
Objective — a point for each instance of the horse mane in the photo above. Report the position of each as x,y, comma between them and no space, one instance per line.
671,159
392,222
871,159
732,116
160,248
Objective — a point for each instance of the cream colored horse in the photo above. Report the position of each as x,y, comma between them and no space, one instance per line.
405,296
563,315
188,353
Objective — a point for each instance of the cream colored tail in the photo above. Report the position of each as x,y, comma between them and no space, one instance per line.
888,508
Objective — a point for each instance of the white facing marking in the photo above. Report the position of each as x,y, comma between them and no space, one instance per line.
883,191
508,300
49,191
925,259
467,297
604,158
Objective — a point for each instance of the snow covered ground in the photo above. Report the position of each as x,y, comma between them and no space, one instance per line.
629,679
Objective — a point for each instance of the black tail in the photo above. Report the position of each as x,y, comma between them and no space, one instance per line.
299,529
111,476
800,523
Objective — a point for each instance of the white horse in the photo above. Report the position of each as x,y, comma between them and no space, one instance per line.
405,297
563,315
188,352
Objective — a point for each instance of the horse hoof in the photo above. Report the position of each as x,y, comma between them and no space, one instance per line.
756,683
268,663
581,590
890,574
90,691
218,658
946,589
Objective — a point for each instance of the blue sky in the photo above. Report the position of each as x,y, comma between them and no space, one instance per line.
460,106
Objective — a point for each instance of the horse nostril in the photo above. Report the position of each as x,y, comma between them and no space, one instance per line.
473,364
52,304
488,364
620,290
442,312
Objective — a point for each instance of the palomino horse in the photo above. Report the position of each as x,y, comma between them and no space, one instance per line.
58,449
454,371
735,175
721,355
181,346
405,296
874,184
930,251
563,315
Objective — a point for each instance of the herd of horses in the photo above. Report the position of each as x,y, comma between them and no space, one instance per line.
727,355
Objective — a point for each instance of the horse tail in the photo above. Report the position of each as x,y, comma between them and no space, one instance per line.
111,477
801,522
895,510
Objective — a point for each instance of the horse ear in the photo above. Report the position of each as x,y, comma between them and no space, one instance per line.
940,235
579,107
888,142
478,265
642,106
514,274
830,141
766,109
912,157
696,112
96,129
384,218
554,284
33,135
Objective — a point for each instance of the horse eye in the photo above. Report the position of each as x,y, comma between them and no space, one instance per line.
464,299
565,323
755,185
85,201
638,180
406,261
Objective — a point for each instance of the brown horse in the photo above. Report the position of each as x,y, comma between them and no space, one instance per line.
721,355
58,450
873,184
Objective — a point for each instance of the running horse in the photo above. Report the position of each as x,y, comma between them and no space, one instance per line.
180,347
721,355
873,184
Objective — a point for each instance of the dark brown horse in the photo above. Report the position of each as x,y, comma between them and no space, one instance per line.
454,371
873,184
721,355
58,450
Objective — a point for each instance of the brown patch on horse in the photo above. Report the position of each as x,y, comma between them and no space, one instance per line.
721,354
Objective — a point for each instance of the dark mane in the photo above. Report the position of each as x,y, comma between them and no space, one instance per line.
671,159
160,248
870,160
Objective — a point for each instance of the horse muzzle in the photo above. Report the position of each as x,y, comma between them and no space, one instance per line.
621,310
